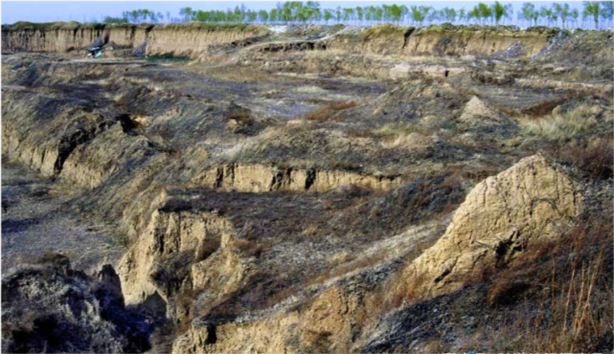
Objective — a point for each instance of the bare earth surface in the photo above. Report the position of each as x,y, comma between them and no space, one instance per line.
235,190
35,221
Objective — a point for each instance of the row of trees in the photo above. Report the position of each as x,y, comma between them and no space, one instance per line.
140,16
310,12
598,13
562,14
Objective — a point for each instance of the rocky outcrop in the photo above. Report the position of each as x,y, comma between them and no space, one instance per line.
260,178
532,201
48,307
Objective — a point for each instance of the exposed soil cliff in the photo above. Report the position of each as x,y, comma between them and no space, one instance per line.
503,216
196,39
259,178
441,41
189,40
62,37
328,323
181,252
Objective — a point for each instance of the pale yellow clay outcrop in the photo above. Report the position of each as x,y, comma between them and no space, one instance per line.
531,201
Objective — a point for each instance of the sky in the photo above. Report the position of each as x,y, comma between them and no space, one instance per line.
95,11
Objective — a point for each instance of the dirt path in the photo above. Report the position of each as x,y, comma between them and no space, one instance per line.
35,220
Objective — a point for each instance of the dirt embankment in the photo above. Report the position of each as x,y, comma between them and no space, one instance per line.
441,41
63,37
195,40
188,40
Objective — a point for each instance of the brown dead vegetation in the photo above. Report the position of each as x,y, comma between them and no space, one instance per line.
331,112
594,158
563,292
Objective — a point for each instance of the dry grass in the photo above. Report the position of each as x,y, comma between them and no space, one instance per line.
400,292
253,248
391,131
213,27
331,112
556,297
383,31
593,157
571,315
559,127
234,73
363,261
401,136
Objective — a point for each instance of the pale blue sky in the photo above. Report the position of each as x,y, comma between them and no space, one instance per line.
89,11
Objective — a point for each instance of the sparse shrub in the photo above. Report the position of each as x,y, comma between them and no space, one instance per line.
209,245
239,119
120,239
310,230
405,292
344,165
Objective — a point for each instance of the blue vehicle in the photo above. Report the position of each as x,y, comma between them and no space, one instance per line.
95,52
97,48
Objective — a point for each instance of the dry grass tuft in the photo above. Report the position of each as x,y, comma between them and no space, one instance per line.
331,112
559,127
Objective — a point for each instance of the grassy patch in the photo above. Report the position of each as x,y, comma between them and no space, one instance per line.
558,127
